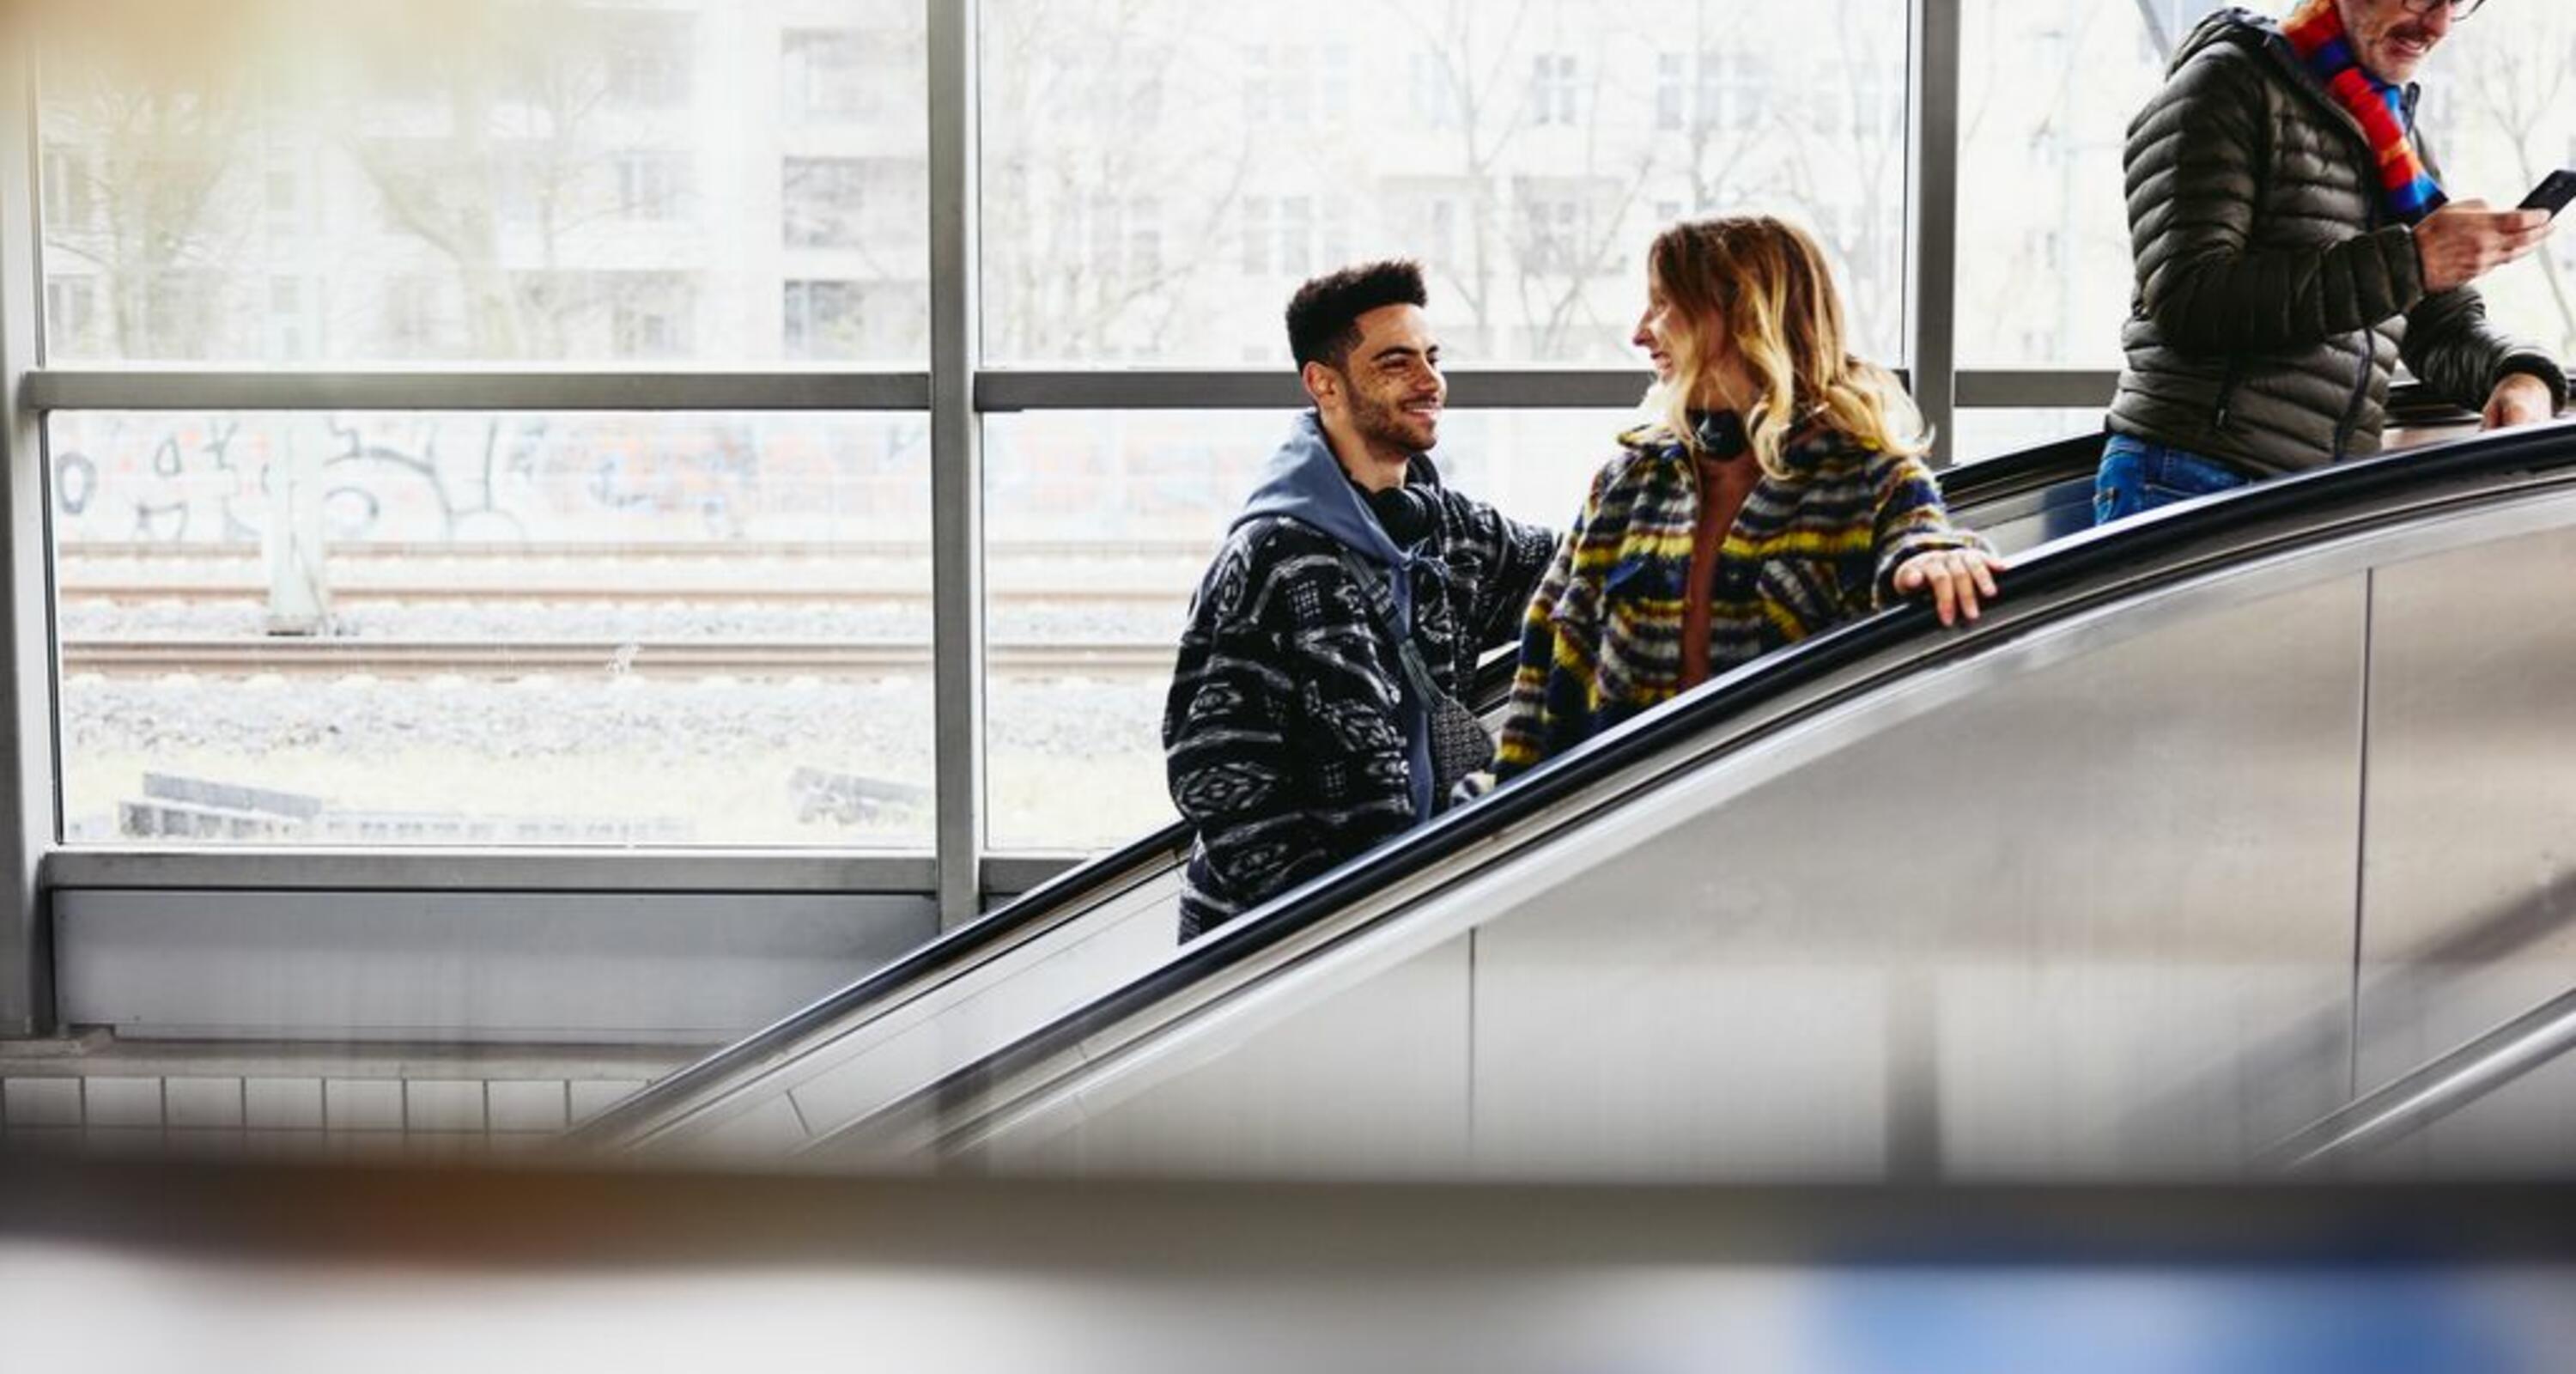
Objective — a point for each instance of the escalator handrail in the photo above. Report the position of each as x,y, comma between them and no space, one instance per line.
2067,567
639,1109
1986,479
2431,1091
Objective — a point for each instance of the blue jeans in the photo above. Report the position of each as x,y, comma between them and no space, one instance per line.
2138,475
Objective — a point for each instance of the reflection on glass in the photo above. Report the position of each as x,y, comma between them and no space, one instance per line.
2500,113
2046,94
503,629
1098,525
1994,433
486,180
1526,153
2044,264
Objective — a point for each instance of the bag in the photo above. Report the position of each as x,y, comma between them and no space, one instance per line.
1459,744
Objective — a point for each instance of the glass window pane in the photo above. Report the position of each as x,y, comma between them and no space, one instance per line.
2047,90
1994,433
1527,159
494,629
1097,527
2500,114
2044,270
487,181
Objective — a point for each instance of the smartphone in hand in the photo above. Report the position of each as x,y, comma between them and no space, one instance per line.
2553,192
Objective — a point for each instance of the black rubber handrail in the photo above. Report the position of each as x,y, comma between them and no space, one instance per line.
1962,487
2068,567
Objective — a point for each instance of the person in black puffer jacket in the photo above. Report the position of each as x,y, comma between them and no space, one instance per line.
2280,275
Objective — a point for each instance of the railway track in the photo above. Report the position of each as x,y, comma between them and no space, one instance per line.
455,593
869,573
311,658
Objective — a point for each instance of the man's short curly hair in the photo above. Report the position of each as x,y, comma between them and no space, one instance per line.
1324,315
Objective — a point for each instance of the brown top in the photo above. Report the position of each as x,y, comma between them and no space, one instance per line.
1726,476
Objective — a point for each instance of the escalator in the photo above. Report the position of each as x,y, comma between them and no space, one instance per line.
1110,919
2174,854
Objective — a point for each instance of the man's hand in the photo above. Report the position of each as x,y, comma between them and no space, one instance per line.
2520,399
2465,240
1955,577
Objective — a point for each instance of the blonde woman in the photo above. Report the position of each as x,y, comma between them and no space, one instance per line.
1775,490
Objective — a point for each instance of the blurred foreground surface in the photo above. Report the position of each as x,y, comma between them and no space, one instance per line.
110,1265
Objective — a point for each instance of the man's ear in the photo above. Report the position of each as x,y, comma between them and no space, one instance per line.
1322,383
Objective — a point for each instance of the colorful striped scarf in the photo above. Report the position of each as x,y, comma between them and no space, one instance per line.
2317,34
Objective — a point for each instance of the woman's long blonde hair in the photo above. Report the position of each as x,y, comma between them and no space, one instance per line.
1759,287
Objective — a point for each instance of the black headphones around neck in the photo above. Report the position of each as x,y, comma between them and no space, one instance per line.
1404,512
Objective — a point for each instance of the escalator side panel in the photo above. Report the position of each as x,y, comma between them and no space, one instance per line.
1289,1104
858,1057
1726,989
987,1006
2057,866
2471,808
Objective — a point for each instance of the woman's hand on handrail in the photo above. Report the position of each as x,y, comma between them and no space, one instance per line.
1957,579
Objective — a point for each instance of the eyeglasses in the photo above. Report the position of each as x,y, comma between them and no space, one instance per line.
2460,9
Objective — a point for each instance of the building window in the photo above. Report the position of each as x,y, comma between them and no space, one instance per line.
414,313
70,189
648,185
648,318
824,319
648,62
286,317
1552,236
824,199
1435,91
1258,229
1670,91
1296,85
1296,235
1144,238
1732,89
821,75
71,314
283,194
179,313
1552,93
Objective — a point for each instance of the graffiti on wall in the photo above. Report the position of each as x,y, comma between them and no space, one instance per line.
151,478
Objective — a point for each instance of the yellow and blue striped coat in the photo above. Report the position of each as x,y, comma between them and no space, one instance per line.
1602,640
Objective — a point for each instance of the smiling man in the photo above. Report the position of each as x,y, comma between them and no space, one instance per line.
1296,736
2292,243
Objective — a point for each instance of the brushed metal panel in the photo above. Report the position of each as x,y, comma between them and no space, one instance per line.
446,966
2469,902
986,1007
2120,884
1371,1082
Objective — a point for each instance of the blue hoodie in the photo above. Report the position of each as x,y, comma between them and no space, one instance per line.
1304,482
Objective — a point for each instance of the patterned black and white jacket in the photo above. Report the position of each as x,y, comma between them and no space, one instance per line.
1290,740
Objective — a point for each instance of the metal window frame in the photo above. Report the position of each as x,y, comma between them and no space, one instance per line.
954,390
29,767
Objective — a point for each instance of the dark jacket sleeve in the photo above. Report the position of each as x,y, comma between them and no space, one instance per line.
1283,742
1225,736
2451,348
2194,186
1514,557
